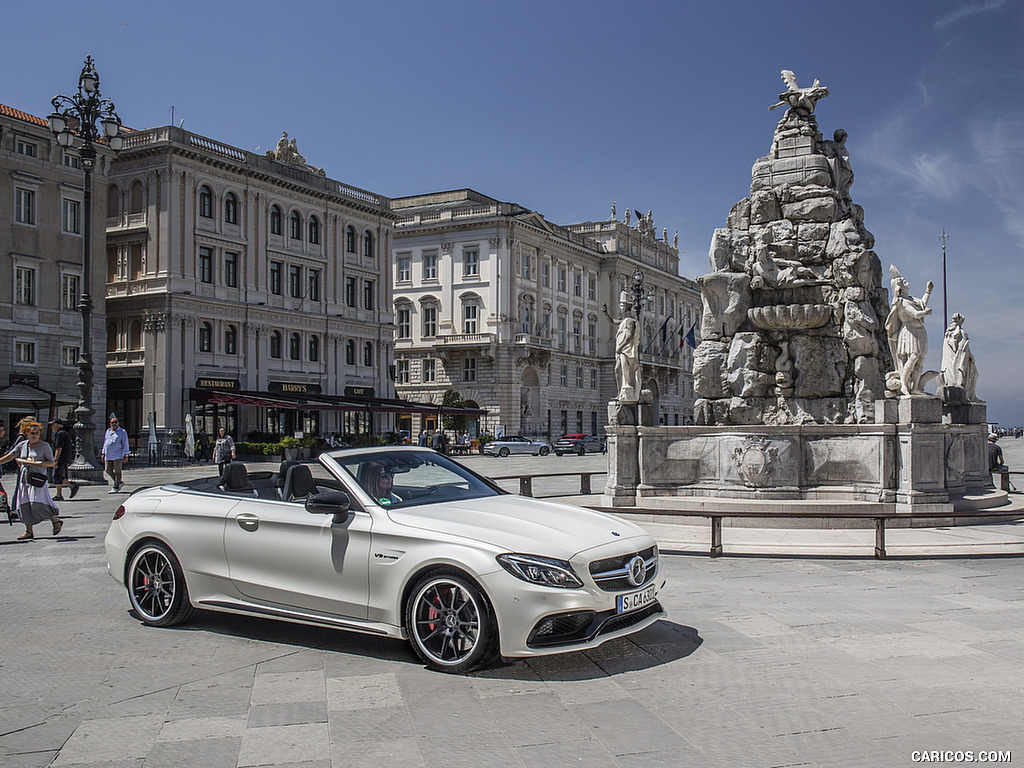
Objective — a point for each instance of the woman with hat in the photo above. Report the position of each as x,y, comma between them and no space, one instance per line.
34,456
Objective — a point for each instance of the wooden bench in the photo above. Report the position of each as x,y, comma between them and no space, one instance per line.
1004,478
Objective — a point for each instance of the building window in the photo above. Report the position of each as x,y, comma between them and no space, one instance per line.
591,289
69,356
27,148
526,266
275,345
402,371
69,292
314,285
471,263
579,421
561,331
24,206
429,370
403,317
205,203
350,291
592,337
25,286
469,314
367,294
205,337
295,281
231,270
25,352
561,280
563,376
275,220
577,285
72,161
275,277
430,266
367,246
295,347
71,217
404,272
564,421
231,340
525,319
230,209
546,275
469,369
429,321
295,226
577,335
205,265
368,354
314,230
579,377
350,352
350,239
314,349
593,378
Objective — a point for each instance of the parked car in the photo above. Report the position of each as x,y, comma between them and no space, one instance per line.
579,444
517,444
394,541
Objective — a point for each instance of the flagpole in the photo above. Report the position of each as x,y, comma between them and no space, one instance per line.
945,315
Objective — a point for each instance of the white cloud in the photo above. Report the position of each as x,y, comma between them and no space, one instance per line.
968,10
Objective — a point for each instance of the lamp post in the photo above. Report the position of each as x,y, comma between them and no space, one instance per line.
74,122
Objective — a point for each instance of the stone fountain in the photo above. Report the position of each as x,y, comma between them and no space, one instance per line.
807,395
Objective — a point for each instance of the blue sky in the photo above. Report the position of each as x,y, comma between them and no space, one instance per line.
564,106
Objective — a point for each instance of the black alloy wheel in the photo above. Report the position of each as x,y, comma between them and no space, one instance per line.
156,587
451,624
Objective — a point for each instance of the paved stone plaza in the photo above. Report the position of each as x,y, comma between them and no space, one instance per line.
763,661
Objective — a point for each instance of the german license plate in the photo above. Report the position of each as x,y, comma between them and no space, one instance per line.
634,600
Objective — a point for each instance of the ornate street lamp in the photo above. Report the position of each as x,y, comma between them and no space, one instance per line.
74,122
642,297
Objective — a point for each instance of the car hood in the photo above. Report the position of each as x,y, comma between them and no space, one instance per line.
521,524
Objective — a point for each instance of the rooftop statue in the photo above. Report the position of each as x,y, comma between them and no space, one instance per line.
800,100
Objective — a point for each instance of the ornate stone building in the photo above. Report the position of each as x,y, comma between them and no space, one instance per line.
250,290
499,304
41,231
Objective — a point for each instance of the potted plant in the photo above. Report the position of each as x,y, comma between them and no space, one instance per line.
290,446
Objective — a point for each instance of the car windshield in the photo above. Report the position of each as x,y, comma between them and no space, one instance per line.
406,478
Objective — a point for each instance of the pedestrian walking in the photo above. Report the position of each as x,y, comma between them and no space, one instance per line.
223,449
424,440
63,453
34,456
204,445
115,448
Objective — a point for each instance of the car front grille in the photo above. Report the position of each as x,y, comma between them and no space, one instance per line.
624,620
611,573
581,626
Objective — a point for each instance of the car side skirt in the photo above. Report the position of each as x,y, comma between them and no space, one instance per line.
302,617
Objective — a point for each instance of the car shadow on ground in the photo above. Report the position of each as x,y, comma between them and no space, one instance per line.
662,643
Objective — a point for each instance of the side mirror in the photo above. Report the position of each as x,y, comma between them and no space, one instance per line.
335,503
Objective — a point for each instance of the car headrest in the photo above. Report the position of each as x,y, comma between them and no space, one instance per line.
298,483
282,473
235,478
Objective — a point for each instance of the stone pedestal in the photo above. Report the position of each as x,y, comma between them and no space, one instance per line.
623,467
920,409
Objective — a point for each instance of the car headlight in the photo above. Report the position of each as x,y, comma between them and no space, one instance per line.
545,571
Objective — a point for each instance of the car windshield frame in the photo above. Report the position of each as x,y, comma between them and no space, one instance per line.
421,476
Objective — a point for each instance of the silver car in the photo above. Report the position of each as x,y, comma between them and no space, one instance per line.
517,444
398,542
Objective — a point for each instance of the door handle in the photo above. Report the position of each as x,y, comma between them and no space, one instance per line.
248,522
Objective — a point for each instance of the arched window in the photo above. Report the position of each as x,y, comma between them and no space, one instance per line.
231,340
275,345
205,202
295,226
275,220
350,352
367,245
314,230
113,201
295,347
314,349
205,337
368,354
136,198
230,209
350,239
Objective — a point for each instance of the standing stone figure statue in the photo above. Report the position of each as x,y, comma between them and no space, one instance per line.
627,351
958,366
908,340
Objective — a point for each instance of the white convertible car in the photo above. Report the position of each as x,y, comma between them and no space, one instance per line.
398,542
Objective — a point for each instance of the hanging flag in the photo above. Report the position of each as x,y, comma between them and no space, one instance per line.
691,339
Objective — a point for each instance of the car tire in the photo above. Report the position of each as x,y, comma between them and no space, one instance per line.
503,452
544,451
156,587
558,453
581,451
451,624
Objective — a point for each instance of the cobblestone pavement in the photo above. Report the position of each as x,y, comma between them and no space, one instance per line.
767,661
